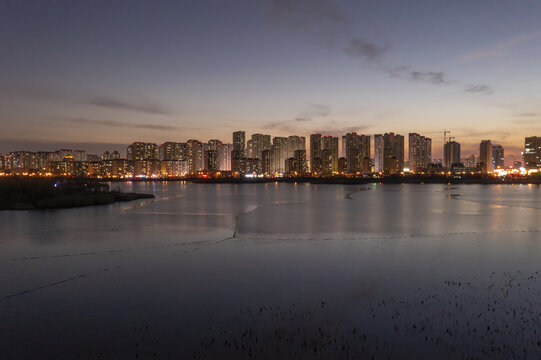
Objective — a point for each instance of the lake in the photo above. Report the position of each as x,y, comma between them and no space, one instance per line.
276,271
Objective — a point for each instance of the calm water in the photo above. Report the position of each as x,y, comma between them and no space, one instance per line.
277,271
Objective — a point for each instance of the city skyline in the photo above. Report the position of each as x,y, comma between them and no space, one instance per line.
342,141
273,66
262,155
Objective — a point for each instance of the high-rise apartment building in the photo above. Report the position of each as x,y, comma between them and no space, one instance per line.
79,155
259,143
238,154
294,143
498,157
142,151
420,152
532,152
315,151
393,153
266,158
110,155
23,160
278,154
193,155
300,158
212,160
353,152
451,154
357,149
239,142
42,160
224,156
213,144
329,148
485,156
378,153
249,148
172,151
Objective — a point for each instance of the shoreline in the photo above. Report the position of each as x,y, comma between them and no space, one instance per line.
59,193
74,201
348,181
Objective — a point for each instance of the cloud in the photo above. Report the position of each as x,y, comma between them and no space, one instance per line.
499,49
430,77
139,104
314,119
527,118
362,49
470,133
120,124
478,88
135,103
311,112
324,21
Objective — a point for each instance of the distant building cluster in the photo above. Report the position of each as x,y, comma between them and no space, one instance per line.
263,155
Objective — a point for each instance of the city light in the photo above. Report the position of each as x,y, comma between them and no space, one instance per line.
262,157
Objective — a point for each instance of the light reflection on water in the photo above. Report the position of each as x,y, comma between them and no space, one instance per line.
170,273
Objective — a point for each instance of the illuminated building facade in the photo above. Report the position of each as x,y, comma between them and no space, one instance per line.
532,152
110,155
393,153
498,157
315,153
239,143
224,156
259,143
329,149
420,152
294,143
212,160
485,156
278,154
172,151
142,151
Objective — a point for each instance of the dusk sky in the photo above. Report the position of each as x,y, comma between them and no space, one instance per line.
100,74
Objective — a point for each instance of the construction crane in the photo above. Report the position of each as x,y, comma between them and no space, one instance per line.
445,132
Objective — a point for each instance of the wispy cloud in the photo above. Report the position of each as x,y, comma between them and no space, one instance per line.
314,118
478,88
324,21
311,112
133,103
361,49
139,104
121,124
499,49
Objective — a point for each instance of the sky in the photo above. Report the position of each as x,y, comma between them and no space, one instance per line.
101,74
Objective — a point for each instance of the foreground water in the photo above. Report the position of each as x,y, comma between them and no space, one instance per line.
277,271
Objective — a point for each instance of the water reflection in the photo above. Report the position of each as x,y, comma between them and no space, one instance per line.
94,282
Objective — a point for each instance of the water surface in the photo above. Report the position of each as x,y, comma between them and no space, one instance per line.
276,270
